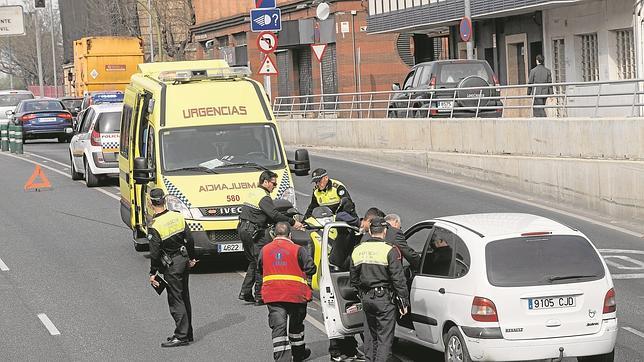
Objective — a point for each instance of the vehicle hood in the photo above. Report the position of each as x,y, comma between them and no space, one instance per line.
205,190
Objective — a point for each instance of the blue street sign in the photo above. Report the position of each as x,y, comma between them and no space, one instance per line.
265,20
264,4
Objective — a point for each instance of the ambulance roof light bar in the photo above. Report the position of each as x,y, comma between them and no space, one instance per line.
180,76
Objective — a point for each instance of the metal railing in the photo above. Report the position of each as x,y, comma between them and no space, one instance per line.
624,98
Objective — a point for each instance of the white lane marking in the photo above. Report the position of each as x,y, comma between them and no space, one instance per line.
3,266
621,251
48,324
47,159
492,193
634,331
627,276
609,259
302,193
61,173
314,322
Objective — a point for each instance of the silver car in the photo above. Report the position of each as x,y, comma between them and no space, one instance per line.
9,99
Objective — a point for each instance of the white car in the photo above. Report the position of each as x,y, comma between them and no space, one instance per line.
93,151
9,99
494,287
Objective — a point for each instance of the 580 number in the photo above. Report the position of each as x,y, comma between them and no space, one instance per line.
233,198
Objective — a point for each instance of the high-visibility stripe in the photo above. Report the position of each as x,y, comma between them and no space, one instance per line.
296,335
294,278
282,348
280,339
297,343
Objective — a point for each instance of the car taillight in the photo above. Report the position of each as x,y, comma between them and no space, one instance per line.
610,304
64,115
484,310
432,82
95,138
27,117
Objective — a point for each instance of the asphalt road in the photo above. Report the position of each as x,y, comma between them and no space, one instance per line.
70,258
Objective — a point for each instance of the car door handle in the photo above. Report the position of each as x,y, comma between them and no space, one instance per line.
441,290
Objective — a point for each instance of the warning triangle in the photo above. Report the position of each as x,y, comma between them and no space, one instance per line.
43,183
268,67
318,50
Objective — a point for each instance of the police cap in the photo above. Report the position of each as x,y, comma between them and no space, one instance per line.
317,175
157,196
378,224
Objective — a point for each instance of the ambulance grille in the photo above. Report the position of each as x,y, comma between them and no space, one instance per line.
218,236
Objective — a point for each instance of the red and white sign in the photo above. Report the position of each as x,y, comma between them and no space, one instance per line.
268,67
318,50
267,42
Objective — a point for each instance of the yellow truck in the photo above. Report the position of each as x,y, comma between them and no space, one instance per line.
104,63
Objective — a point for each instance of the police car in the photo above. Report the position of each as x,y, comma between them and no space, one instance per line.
93,151
494,287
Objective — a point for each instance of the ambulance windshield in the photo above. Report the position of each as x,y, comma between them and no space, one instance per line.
243,147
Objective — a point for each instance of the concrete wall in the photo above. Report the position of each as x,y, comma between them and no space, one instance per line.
593,164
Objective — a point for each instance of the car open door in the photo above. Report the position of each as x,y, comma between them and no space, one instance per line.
341,306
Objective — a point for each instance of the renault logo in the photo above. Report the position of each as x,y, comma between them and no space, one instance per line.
591,313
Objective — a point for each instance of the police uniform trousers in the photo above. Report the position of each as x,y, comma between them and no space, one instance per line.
287,344
347,346
380,313
177,276
251,256
263,239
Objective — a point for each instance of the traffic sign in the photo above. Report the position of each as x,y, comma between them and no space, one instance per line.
268,66
318,50
264,4
265,20
267,42
11,21
466,29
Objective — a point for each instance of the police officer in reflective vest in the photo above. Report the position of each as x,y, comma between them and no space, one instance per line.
330,193
257,213
287,270
172,253
377,274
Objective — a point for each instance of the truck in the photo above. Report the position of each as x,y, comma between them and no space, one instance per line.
103,63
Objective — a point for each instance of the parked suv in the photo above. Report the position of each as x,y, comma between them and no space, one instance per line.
435,85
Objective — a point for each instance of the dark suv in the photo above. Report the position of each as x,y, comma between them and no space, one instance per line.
436,84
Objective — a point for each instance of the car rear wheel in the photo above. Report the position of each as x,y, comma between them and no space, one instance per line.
91,180
608,357
75,175
455,348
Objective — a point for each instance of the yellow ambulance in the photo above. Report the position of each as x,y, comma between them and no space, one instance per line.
203,132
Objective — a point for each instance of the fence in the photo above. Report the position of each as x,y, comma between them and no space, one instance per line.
49,90
588,99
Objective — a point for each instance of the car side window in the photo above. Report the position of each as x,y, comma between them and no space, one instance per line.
87,121
419,74
425,75
409,80
446,255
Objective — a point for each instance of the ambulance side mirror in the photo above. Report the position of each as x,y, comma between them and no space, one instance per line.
301,164
142,173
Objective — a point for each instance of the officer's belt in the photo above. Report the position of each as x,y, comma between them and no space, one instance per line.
293,278
172,253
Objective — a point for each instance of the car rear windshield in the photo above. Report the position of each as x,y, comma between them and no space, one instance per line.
543,260
12,100
36,106
70,104
454,73
109,122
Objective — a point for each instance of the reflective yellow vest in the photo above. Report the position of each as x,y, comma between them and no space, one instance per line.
328,197
169,224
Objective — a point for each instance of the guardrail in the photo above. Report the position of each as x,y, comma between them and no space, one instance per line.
622,98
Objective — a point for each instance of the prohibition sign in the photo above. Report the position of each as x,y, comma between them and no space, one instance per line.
267,42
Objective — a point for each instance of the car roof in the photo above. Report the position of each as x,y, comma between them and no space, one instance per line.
107,107
452,61
497,224
39,100
70,98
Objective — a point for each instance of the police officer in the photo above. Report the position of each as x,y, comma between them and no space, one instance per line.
287,269
377,274
172,253
257,214
330,193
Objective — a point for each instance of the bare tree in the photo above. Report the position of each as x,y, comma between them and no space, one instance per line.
173,20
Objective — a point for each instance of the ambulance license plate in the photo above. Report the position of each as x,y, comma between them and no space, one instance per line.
230,248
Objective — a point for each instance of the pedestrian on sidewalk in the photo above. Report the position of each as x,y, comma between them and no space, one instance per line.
540,75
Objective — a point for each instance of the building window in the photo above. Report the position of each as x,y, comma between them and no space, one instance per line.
589,58
222,41
625,54
559,60
241,49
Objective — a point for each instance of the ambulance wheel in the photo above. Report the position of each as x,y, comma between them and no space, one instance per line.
75,175
91,180
455,348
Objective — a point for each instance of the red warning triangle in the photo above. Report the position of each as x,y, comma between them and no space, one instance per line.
41,184
268,67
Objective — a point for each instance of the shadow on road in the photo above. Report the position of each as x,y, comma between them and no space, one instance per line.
226,321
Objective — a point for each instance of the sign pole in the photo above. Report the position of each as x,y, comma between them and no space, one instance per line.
38,53
321,79
53,47
267,87
470,43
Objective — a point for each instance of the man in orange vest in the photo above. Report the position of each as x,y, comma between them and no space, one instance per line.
287,271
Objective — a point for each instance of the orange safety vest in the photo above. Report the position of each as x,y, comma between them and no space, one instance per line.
283,278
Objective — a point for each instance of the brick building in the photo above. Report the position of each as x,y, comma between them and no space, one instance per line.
353,61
